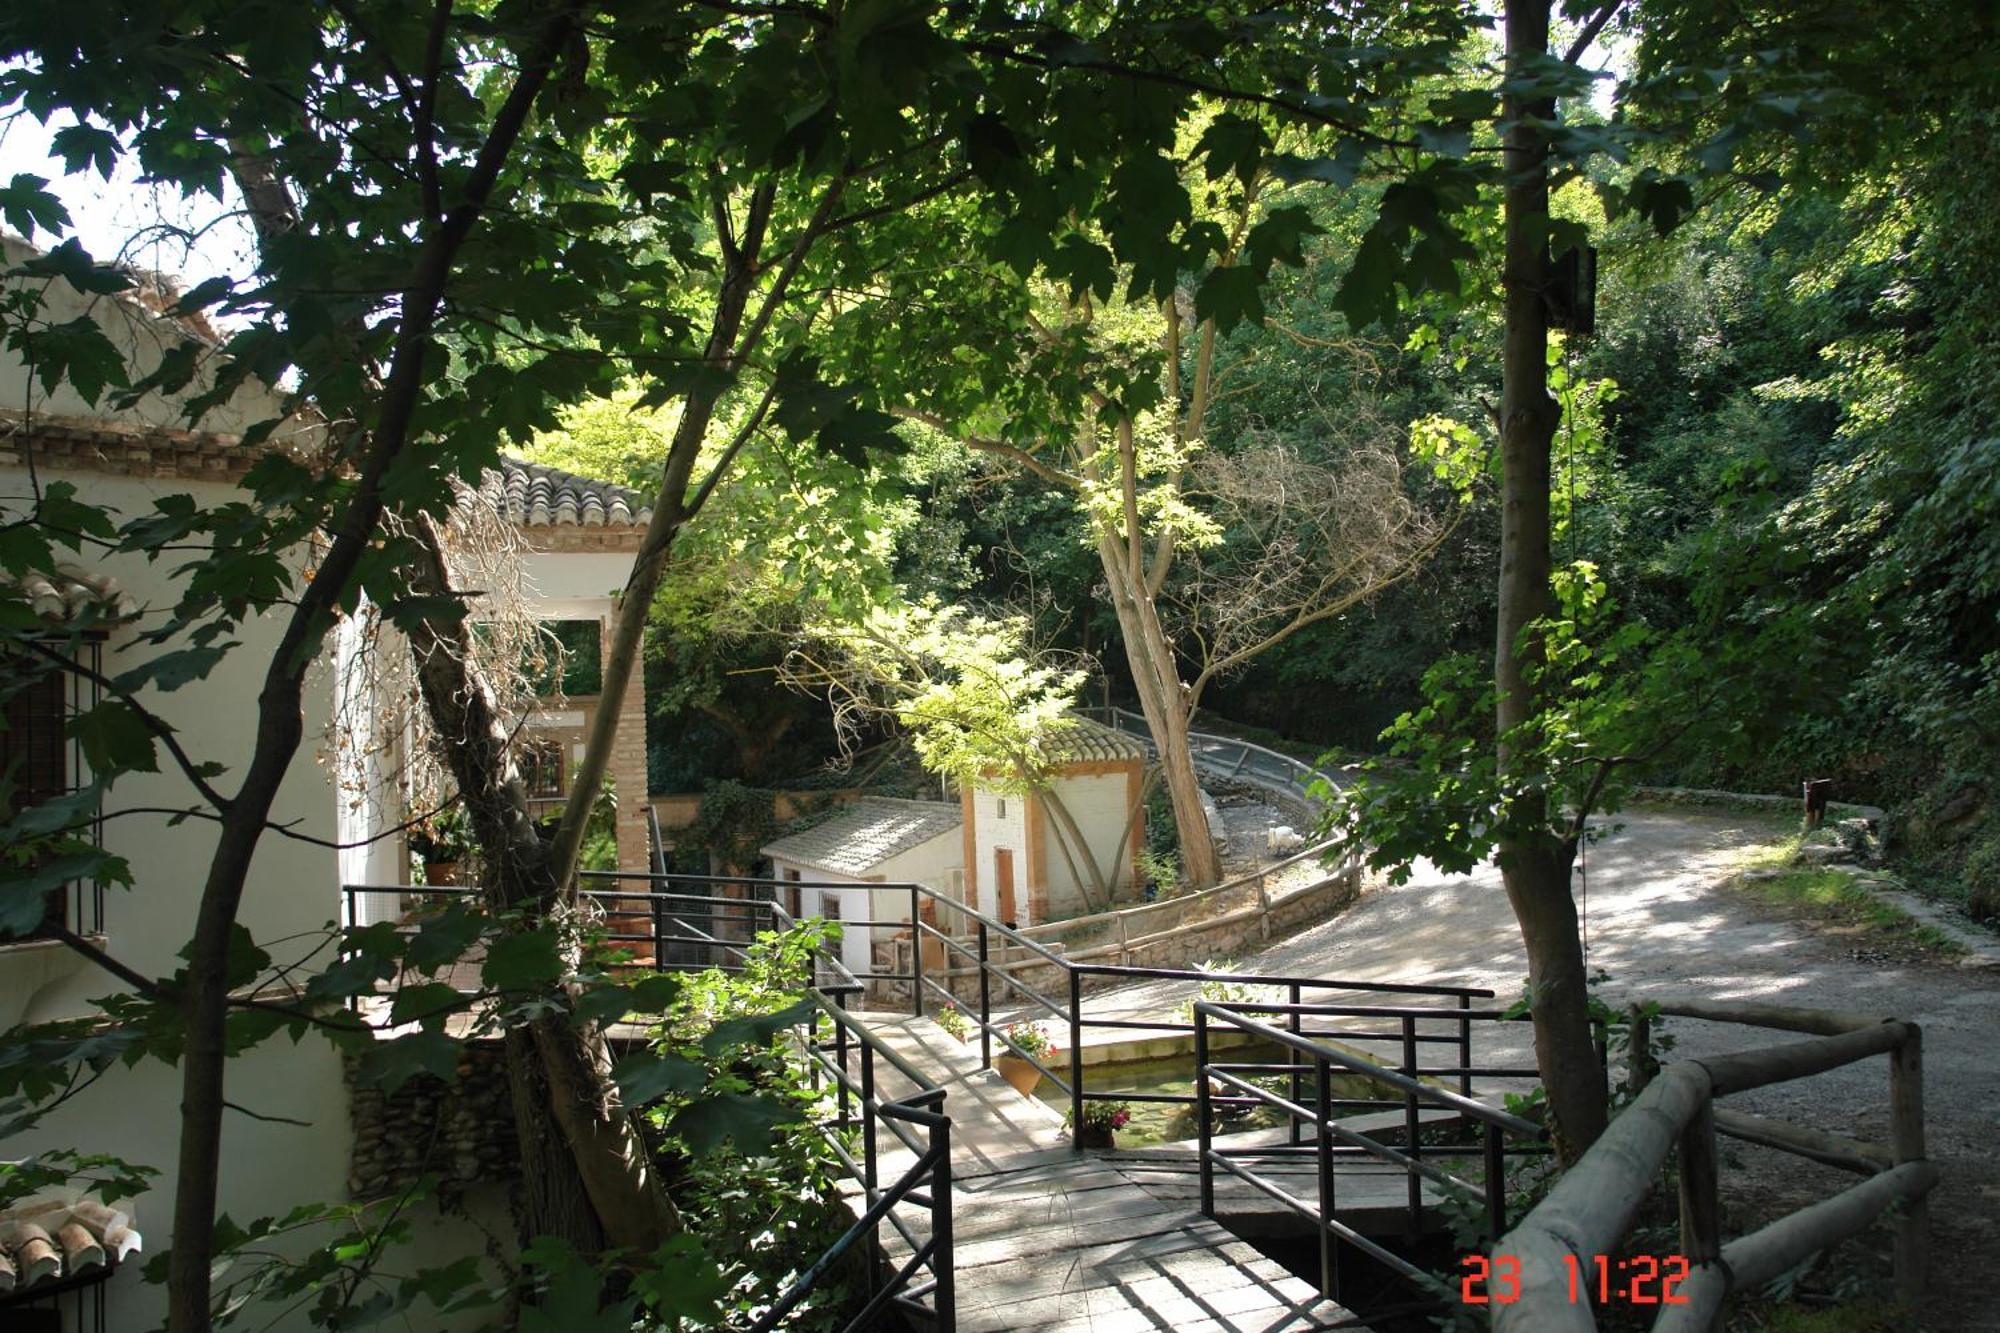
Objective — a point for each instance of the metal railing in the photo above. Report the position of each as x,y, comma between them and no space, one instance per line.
1409,1085
1229,757
940,929
846,1060
849,1062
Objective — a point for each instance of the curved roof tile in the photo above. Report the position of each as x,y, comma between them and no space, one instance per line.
537,496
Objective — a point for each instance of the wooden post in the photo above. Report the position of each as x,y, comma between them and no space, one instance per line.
1906,1133
1701,1216
1817,790
1639,1064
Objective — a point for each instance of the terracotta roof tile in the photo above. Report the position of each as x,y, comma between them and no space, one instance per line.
537,496
1083,741
46,1240
72,594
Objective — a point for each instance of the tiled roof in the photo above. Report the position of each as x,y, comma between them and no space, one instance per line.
867,833
1082,741
46,1240
72,594
536,496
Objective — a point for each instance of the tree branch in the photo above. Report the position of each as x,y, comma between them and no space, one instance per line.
1592,26
997,448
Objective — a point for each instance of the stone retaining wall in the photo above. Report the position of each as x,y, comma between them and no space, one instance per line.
460,1132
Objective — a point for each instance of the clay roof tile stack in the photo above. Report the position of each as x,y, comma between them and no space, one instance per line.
47,1240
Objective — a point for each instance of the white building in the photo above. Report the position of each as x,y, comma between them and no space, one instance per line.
580,535
1066,848
1025,864
876,840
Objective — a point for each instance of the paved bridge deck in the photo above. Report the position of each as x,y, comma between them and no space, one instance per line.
1047,1238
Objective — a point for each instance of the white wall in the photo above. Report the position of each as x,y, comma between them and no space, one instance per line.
928,863
144,338
1099,803
293,889
853,905
993,831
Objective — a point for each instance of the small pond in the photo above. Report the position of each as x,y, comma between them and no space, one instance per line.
1155,1123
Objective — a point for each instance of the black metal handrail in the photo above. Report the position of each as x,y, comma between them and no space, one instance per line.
1331,1139
916,1120
973,942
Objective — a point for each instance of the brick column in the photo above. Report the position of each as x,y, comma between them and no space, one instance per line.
628,765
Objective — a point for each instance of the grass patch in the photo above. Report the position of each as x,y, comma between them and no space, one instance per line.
1836,901
1868,1317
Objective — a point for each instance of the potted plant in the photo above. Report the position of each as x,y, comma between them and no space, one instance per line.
443,843
953,1020
1023,1040
1101,1123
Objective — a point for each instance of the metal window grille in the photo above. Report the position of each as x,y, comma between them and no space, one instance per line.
42,762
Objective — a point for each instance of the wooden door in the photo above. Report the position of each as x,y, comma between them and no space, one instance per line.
1003,884
933,947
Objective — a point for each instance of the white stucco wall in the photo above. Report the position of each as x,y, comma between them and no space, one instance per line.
143,338
929,863
993,831
1100,804
293,889
853,904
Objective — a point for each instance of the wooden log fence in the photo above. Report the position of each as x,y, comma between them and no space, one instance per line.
1591,1209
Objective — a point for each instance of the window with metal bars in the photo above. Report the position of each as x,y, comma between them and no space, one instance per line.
39,761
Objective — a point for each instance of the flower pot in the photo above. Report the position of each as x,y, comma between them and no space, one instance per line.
441,872
1021,1075
1096,1136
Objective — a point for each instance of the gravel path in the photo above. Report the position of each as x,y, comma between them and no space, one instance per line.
1662,921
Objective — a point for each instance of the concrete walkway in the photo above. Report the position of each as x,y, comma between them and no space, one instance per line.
1046,1238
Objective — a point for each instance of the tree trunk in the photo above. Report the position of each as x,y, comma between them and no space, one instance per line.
1163,701
280,720
599,1144
1536,864
552,1200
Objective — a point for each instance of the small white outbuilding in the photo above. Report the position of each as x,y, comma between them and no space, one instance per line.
876,840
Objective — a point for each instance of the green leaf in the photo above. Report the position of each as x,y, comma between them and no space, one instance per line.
390,1064
24,892
1279,237
115,739
1339,170
644,1077
75,353
87,146
26,206
572,1298
527,960
171,670
755,1029
747,1122
429,1003
1232,145
1229,296
67,811
444,937
73,264
202,295
407,613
